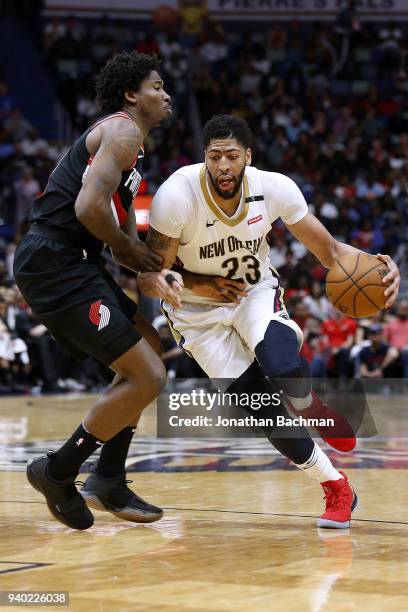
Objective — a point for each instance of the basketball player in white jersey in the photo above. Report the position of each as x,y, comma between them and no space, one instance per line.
212,218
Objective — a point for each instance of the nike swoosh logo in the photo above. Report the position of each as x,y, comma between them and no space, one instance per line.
208,224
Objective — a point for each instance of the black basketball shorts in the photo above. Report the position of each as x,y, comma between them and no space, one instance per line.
71,293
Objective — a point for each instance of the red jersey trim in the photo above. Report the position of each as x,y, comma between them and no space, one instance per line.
125,116
113,116
121,212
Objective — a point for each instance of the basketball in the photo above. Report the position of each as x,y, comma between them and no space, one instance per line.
354,284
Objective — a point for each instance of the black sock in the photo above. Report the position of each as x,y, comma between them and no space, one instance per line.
69,458
114,452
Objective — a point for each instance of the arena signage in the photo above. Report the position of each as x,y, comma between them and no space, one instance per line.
307,6
109,6
237,9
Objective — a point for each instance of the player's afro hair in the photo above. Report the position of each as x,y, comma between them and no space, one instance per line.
227,126
124,72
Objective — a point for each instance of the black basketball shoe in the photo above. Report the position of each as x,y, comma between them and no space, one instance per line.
113,495
63,500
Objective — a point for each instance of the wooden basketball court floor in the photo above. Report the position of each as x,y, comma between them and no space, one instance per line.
239,530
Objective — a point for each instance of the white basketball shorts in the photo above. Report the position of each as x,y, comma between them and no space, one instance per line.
222,339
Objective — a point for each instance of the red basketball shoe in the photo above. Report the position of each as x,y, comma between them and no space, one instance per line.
346,441
340,503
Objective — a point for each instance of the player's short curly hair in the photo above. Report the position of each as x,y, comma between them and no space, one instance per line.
227,126
124,72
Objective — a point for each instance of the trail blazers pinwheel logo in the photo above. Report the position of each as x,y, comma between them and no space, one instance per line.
99,314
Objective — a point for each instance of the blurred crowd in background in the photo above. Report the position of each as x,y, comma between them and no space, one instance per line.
328,106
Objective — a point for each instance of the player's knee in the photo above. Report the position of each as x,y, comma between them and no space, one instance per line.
277,353
143,392
154,377
144,369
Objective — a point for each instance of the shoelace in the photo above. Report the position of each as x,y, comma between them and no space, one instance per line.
123,484
335,499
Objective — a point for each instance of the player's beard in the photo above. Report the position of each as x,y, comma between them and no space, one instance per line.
228,195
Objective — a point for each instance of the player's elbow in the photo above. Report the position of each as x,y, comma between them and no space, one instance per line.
80,209
84,213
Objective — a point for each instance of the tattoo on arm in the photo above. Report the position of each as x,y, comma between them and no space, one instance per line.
158,241
164,246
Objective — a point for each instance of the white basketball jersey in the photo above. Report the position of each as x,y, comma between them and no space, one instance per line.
212,243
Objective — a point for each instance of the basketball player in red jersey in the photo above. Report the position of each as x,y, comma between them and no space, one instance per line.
86,205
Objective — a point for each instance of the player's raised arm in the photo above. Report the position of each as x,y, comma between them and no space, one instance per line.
119,140
310,232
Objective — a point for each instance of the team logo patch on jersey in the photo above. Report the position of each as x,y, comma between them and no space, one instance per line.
254,220
99,314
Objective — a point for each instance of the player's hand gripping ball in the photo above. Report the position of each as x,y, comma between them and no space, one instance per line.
354,284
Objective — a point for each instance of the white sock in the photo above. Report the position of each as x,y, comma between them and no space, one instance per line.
301,403
319,466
